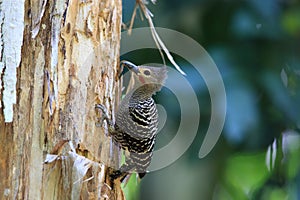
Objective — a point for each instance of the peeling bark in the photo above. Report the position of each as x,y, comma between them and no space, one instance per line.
11,38
69,54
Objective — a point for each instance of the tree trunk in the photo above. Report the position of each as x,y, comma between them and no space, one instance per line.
58,59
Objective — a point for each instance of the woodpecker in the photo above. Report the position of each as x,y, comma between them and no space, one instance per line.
136,123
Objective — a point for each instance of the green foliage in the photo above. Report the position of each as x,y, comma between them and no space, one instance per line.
244,174
131,188
292,155
275,194
291,22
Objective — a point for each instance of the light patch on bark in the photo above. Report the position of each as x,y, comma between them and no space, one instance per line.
37,12
59,8
12,39
38,130
1,47
1,71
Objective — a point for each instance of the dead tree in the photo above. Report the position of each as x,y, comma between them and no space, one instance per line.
58,59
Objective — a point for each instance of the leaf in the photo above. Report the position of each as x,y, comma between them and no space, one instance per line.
244,173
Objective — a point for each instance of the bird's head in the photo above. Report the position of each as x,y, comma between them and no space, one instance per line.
145,75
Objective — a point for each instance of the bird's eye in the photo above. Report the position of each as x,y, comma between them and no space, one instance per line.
147,72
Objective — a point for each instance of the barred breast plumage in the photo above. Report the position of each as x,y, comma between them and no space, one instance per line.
137,119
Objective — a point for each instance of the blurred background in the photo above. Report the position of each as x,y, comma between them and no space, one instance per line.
256,47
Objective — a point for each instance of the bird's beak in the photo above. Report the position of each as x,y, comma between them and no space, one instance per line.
130,66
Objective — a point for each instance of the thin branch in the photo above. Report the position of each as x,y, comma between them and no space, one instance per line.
132,19
158,42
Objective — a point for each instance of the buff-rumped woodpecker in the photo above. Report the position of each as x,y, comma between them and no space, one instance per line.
136,123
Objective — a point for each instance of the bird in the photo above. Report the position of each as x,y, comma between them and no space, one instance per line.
136,125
